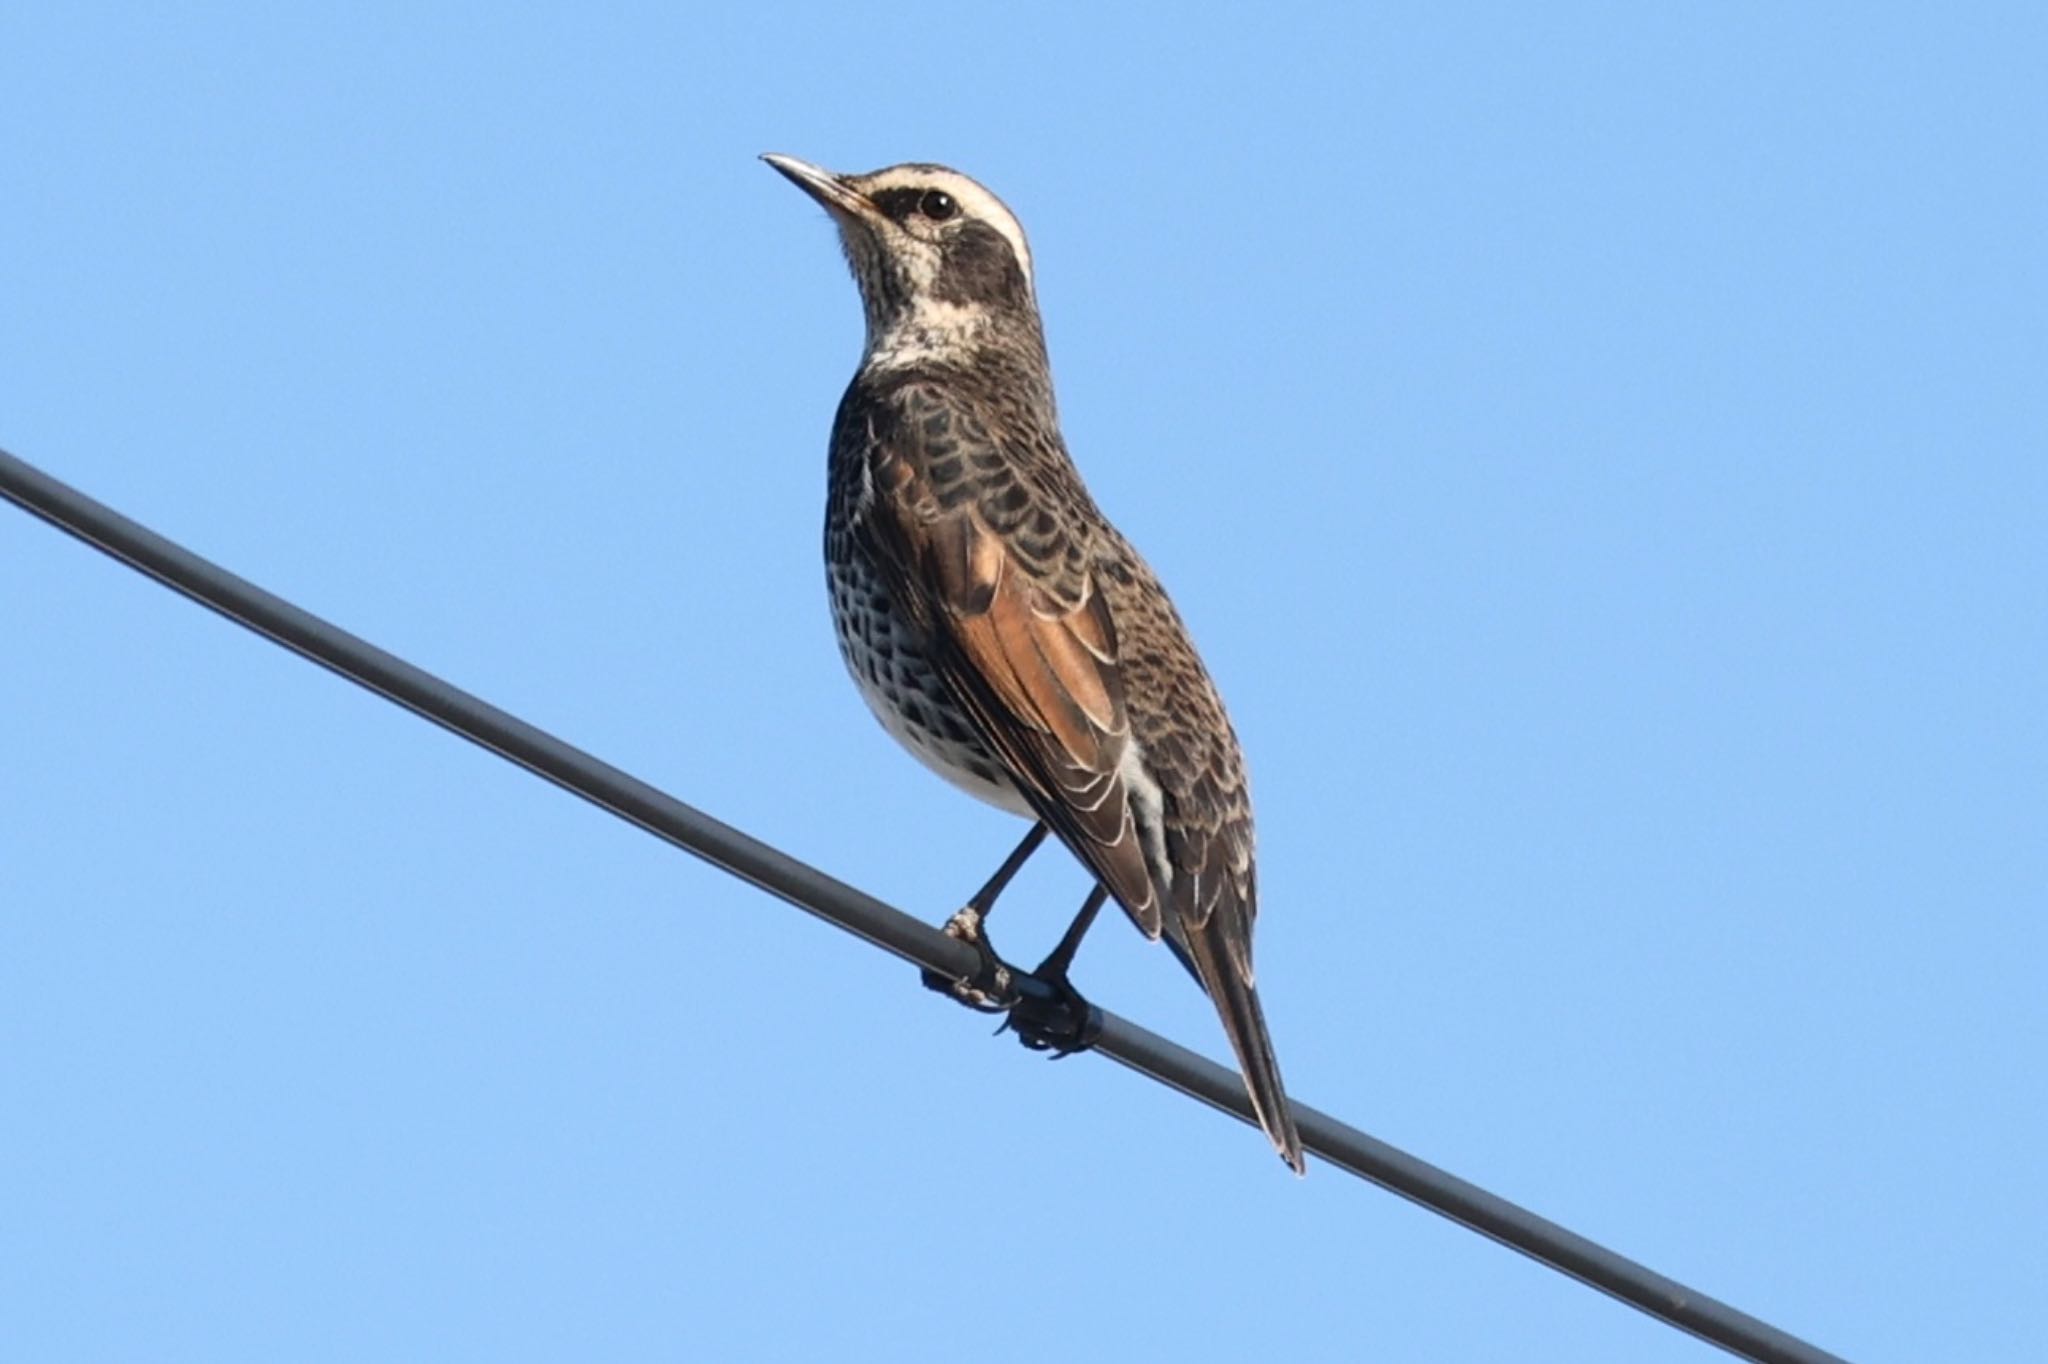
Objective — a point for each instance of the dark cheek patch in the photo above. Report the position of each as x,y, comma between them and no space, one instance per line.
978,267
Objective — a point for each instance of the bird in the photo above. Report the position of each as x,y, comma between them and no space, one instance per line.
1003,630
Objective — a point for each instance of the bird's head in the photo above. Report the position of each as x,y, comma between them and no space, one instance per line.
941,263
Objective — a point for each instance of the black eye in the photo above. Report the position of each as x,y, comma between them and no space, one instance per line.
937,205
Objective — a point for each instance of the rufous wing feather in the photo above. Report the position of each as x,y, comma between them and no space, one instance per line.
1039,675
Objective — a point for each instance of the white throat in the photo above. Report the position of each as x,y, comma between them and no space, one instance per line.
931,330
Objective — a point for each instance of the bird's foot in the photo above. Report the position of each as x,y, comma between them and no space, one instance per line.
992,988
1062,1024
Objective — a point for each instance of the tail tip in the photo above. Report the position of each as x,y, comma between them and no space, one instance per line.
1288,1144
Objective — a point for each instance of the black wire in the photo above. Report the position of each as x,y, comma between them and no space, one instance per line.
838,903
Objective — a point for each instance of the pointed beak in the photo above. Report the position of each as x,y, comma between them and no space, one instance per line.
841,200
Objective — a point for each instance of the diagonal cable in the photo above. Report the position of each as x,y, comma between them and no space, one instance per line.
861,914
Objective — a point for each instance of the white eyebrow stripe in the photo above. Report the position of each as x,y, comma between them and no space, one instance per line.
977,202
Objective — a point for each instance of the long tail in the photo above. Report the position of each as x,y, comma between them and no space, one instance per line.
1244,1023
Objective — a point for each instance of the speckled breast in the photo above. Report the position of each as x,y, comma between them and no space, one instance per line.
886,657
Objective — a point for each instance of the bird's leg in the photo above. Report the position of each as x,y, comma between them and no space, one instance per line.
1065,1023
989,989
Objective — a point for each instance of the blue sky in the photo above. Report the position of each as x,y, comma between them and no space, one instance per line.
1599,451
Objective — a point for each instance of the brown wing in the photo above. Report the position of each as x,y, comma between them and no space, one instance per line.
1033,662
1040,679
